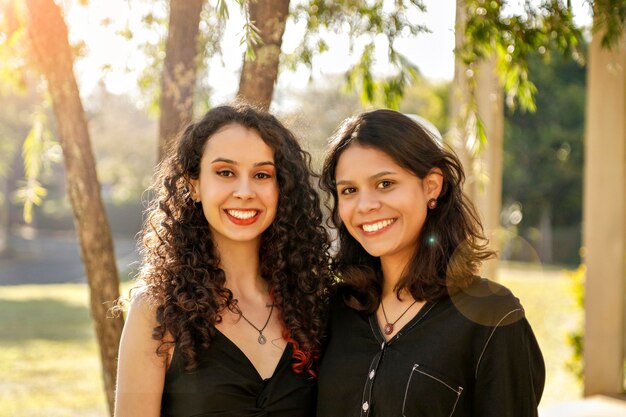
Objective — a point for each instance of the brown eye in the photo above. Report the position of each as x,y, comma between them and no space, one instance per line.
262,176
225,173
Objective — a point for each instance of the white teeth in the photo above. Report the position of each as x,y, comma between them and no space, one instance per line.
242,214
374,227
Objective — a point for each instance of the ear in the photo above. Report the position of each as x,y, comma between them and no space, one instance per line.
194,189
433,183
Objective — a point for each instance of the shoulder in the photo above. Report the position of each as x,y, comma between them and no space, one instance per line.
141,316
488,303
142,303
140,313
141,323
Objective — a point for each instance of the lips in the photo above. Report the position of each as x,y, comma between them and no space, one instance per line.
242,217
378,226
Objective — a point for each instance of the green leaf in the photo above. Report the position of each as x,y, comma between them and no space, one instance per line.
39,151
31,194
222,9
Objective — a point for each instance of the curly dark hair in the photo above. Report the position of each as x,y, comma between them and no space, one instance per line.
451,243
180,265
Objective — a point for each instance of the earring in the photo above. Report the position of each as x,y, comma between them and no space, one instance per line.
432,203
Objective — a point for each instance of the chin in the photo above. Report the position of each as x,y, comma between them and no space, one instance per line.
375,252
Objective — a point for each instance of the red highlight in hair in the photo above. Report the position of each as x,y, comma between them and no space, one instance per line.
303,361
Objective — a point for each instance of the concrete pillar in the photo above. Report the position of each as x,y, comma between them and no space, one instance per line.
487,187
604,218
456,137
483,169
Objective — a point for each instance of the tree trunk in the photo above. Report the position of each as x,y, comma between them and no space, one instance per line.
48,35
178,80
259,76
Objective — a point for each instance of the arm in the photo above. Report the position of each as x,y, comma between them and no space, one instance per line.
140,371
510,373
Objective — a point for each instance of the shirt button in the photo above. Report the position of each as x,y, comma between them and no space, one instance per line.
365,406
372,373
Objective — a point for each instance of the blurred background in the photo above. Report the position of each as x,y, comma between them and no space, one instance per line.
530,94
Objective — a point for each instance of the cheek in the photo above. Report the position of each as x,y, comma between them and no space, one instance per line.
416,223
343,209
272,195
214,194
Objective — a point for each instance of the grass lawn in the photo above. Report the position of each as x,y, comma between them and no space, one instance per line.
49,362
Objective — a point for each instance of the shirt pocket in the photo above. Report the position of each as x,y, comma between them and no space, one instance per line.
429,394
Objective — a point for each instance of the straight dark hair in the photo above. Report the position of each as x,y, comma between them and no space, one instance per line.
451,243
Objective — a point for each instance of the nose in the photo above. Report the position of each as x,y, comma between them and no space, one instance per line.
244,190
367,202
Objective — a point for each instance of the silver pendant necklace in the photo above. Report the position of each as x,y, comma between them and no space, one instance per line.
261,339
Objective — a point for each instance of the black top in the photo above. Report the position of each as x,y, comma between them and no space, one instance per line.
471,355
226,384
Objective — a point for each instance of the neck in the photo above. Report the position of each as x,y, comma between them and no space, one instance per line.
240,262
393,268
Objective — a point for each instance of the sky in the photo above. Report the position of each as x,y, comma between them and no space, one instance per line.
431,52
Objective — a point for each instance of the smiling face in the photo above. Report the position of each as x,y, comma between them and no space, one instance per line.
237,184
382,205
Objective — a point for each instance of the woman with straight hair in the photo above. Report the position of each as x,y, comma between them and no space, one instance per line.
413,330
229,317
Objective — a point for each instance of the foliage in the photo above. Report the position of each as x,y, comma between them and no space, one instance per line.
124,171
13,56
17,76
575,338
361,19
429,100
39,151
611,19
514,38
543,152
154,22
364,21
315,120
15,122
152,29
251,35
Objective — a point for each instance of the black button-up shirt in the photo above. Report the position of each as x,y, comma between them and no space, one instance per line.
471,354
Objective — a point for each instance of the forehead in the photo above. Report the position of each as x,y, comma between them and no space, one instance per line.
357,161
238,143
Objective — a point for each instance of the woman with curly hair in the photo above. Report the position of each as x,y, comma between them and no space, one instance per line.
413,330
230,315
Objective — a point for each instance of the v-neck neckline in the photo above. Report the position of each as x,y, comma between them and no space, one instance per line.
373,320
247,359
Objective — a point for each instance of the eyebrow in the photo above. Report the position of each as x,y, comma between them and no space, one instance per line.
230,161
373,177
